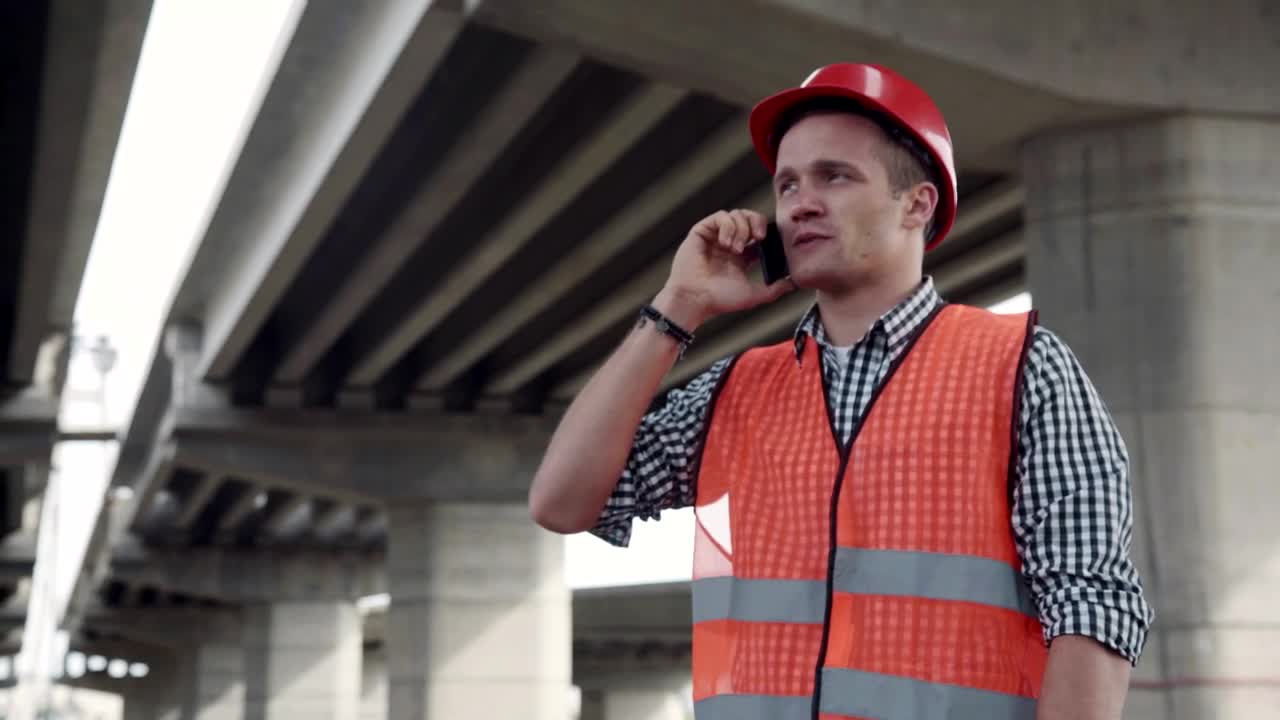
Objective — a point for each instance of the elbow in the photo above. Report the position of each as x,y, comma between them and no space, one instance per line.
554,514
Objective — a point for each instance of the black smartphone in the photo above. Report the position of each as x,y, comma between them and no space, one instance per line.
773,258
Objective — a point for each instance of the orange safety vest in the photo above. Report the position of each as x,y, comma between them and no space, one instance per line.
875,580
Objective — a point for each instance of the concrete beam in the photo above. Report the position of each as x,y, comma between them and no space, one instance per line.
279,523
92,51
170,628
342,84
990,204
134,650
28,427
196,502
574,173
328,522
662,197
659,610
17,556
625,301
482,143
154,477
249,576
717,48
363,458
21,445
252,499
1195,56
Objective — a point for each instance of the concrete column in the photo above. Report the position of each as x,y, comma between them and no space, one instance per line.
479,622
142,706
592,707
212,682
373,684
660,704
302,661
156,697
1154,250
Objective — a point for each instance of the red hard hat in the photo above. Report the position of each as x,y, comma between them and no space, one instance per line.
900,102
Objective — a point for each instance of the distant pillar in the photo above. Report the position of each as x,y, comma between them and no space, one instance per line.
592,707
373,684
1154,250
145,702
137,707
302,661
479,624
653,704
212,682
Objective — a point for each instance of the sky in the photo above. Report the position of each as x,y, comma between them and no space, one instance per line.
201,75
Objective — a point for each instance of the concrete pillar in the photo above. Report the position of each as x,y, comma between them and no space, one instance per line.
592,707
302,661
212,683
1154,250
653,704
142,706
158,696
479,623
373,684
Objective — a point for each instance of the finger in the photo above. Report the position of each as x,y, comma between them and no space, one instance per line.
727,229
707,229
759,224
742,230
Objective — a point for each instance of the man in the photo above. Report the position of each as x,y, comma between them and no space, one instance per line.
913,509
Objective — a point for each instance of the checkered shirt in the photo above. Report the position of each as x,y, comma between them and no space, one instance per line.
1072,513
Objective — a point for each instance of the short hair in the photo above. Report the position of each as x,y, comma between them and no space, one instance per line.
906,162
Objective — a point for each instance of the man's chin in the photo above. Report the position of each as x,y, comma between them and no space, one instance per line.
818,279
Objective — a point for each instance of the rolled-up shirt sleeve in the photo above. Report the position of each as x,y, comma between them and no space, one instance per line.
1073,506
659,471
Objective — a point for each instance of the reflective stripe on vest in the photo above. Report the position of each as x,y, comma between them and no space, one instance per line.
874,696
882,575
865,572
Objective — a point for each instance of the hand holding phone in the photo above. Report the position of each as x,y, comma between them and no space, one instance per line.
712,271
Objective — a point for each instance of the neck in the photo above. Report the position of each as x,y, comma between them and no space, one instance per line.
848,315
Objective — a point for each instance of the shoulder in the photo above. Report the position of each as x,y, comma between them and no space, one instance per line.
1055,377
1049,356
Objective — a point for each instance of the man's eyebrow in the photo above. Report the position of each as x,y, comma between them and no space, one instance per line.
826,164
823,165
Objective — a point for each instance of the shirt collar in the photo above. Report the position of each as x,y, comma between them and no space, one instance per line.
899,324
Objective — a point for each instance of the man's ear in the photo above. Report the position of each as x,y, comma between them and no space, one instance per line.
922,202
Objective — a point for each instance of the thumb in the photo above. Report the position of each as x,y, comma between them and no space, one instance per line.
780,289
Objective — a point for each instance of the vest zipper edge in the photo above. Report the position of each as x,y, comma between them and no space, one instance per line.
846,451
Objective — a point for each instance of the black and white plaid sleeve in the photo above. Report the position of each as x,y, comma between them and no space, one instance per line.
1073,514
658,474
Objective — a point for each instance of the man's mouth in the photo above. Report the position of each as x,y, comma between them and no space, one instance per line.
808,237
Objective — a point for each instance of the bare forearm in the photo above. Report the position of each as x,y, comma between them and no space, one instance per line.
1084,681
590,447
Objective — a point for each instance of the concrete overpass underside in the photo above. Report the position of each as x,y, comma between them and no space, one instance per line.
68,69
445,215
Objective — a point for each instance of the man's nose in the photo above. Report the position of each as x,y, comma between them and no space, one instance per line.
805,207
